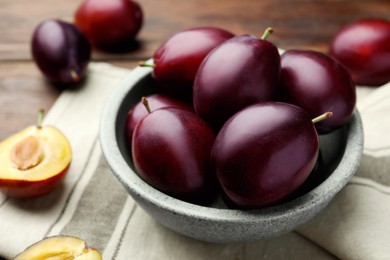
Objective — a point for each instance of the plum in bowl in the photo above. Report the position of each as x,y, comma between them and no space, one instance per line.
340,153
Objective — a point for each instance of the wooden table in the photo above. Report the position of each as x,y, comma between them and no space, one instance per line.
297,24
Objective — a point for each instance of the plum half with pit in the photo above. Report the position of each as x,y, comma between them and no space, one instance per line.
60,247
34,161
263,153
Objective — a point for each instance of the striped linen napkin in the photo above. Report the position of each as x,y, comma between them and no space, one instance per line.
94,206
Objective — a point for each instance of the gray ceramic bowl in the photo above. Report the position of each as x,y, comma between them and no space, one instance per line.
340,156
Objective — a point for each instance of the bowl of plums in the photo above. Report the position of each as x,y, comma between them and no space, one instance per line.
226,138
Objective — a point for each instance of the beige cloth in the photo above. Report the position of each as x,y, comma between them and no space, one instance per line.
94,206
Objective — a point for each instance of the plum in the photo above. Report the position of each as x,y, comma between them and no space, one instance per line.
263,153
110,24
177,60
239,72
364,48
318,83
171,151
61,51
155,101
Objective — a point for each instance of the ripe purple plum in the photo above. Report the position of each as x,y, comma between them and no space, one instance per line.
155,101
241,71
364,48
110,24
61,51
177,60
171,151
263,153
317,83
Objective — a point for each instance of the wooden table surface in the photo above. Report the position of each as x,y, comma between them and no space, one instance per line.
297,24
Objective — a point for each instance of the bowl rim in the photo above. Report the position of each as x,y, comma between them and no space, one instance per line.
140,189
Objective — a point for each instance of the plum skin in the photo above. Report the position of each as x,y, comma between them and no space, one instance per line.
171,152
156,101
61,51
181,55
109,23
177,60
363,47
241,71
264,153
318,83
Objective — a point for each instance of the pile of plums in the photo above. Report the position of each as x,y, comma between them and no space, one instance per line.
62,50
237,118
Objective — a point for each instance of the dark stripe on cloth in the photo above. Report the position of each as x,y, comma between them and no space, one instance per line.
99,208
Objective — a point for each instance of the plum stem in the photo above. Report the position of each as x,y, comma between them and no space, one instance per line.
146,64
74,75
322,117
41,113
145,102
267,33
